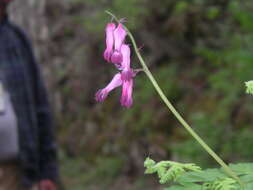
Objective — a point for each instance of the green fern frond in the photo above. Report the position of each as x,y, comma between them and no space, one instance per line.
168,170
220,184
172,173
249,87
149,164
242,168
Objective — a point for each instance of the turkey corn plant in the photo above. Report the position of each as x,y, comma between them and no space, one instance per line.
180,176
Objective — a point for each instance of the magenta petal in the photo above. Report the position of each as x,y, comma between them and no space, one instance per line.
127,74
102,93
125,50
127,90
116,58
107,55
109,41
115,82
119,37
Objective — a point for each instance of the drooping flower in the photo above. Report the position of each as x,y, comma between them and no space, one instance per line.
115,37
124,79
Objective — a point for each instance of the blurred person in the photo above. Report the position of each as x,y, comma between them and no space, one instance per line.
27,148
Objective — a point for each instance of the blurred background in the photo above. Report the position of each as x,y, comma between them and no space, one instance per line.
200,51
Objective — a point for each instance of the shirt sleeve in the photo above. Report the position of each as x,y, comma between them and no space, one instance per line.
47,144
48,163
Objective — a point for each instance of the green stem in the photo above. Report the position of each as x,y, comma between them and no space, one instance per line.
175,112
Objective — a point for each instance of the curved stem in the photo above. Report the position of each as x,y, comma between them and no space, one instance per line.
175,112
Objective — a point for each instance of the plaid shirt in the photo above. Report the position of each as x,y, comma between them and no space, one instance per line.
21,77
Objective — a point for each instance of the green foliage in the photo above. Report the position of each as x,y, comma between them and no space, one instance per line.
249,87
187,187
220,184
193,178
168,170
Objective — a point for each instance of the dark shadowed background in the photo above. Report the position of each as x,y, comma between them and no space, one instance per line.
200,51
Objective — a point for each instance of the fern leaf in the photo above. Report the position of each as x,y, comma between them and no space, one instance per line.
168,170
226,184
249,87
149,164
220,184
242,168
187,187
172,173
192,167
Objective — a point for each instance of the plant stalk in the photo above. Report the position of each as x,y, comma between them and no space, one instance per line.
175,112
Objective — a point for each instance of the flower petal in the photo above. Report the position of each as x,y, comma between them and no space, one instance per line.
125,50
109,41
116,58
119,37
127,74
102,93
126,96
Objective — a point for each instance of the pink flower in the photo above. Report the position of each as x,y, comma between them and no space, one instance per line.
124,79
114,39
127,89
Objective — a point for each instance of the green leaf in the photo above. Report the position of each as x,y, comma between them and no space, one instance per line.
193,177
242,168
249,87
249,186
172,174
168,170
247,178
149,162
188,187
211,174
221,184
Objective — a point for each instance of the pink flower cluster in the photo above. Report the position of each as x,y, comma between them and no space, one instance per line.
118,53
